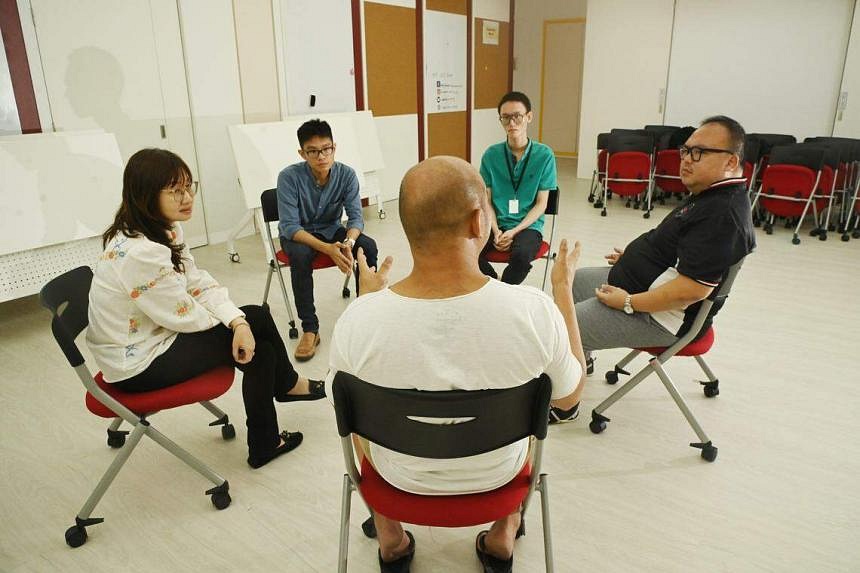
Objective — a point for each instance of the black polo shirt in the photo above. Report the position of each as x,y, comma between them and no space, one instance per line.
700,239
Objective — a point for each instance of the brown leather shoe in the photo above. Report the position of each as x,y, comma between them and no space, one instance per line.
307,346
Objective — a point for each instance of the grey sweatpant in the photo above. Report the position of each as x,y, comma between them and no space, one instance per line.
603,327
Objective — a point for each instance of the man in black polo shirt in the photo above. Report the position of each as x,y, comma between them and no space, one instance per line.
651,292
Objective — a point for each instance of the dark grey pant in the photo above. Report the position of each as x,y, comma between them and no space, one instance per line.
602,327
524,248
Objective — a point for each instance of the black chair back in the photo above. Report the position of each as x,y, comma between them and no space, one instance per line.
620,142
680,136
752,149
495,418
768,141
269,203
602,140
68,298
832,152
797,154
552,202
661,132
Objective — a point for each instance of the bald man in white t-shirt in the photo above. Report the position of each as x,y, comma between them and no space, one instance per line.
447,326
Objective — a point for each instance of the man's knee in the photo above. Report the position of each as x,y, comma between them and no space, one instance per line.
301,255
368,245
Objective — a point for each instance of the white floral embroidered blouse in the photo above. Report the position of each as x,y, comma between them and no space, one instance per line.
138,304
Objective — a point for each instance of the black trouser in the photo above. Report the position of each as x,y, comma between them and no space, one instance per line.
268,374
524,248
301,272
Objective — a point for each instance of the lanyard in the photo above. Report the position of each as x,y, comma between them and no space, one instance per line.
516,182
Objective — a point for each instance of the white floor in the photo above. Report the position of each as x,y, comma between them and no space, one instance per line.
782,495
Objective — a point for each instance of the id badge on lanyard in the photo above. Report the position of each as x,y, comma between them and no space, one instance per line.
514,204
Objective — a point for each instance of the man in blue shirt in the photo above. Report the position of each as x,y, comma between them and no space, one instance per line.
311,197
519,174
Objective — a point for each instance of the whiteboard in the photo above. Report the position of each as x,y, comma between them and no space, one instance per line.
445,62
262,150
57,187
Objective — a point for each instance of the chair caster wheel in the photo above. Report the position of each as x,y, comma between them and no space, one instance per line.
598,204
116,438
845,237
611,377
590,199
345,293
709,453
646,215
369,528
228,431
597,426
234,257
76,536
294,332
795,240
627,205
822,236
382,214
710,389
603,213
221,500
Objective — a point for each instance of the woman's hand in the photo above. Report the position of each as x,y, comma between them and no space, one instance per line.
243,341
611,296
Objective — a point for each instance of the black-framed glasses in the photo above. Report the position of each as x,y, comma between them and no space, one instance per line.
178,193
695,153
324,152
516,118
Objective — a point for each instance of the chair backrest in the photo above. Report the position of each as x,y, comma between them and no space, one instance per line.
552,202
67,297
603,140
269,204
768,141
832,153
621,142
680,136
707,310
809,156
387,416
661,133
752,149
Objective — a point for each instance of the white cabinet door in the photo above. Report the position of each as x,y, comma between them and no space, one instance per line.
101,64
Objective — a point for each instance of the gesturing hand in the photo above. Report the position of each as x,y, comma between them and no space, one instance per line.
564,267
369,279
342,259
243,343
613,257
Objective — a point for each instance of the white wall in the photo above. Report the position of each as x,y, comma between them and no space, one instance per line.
774,65
216,102
847,123
626,61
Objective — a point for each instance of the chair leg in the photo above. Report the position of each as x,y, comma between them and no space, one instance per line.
345,290
345,505
293,333
547,528
709,451
182,454
712,385
268,283
228,432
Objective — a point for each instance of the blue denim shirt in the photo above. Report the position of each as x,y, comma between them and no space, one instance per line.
304,205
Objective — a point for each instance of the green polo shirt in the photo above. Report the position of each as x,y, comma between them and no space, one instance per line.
534,172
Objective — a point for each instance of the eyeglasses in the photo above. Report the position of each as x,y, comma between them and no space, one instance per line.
324,152
516,118
695,153
178,193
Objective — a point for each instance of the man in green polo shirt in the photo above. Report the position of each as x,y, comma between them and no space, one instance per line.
519,174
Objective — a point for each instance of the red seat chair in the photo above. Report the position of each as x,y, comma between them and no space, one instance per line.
278,259
629,167
693,343
788,185
387,417
495,256
67,297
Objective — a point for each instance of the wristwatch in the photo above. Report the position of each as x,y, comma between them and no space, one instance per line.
349,242
628,304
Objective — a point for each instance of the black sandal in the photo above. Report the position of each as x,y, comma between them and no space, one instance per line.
316,391
401,564
291,442
491,564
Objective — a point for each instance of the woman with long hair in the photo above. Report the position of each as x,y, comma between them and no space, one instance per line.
157,320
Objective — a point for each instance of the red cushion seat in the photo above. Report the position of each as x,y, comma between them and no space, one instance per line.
696,348
207,386
495,256
442,511
320,261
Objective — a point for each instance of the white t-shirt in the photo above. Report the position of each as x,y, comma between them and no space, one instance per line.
498,336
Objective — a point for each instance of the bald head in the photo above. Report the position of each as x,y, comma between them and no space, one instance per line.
438,197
